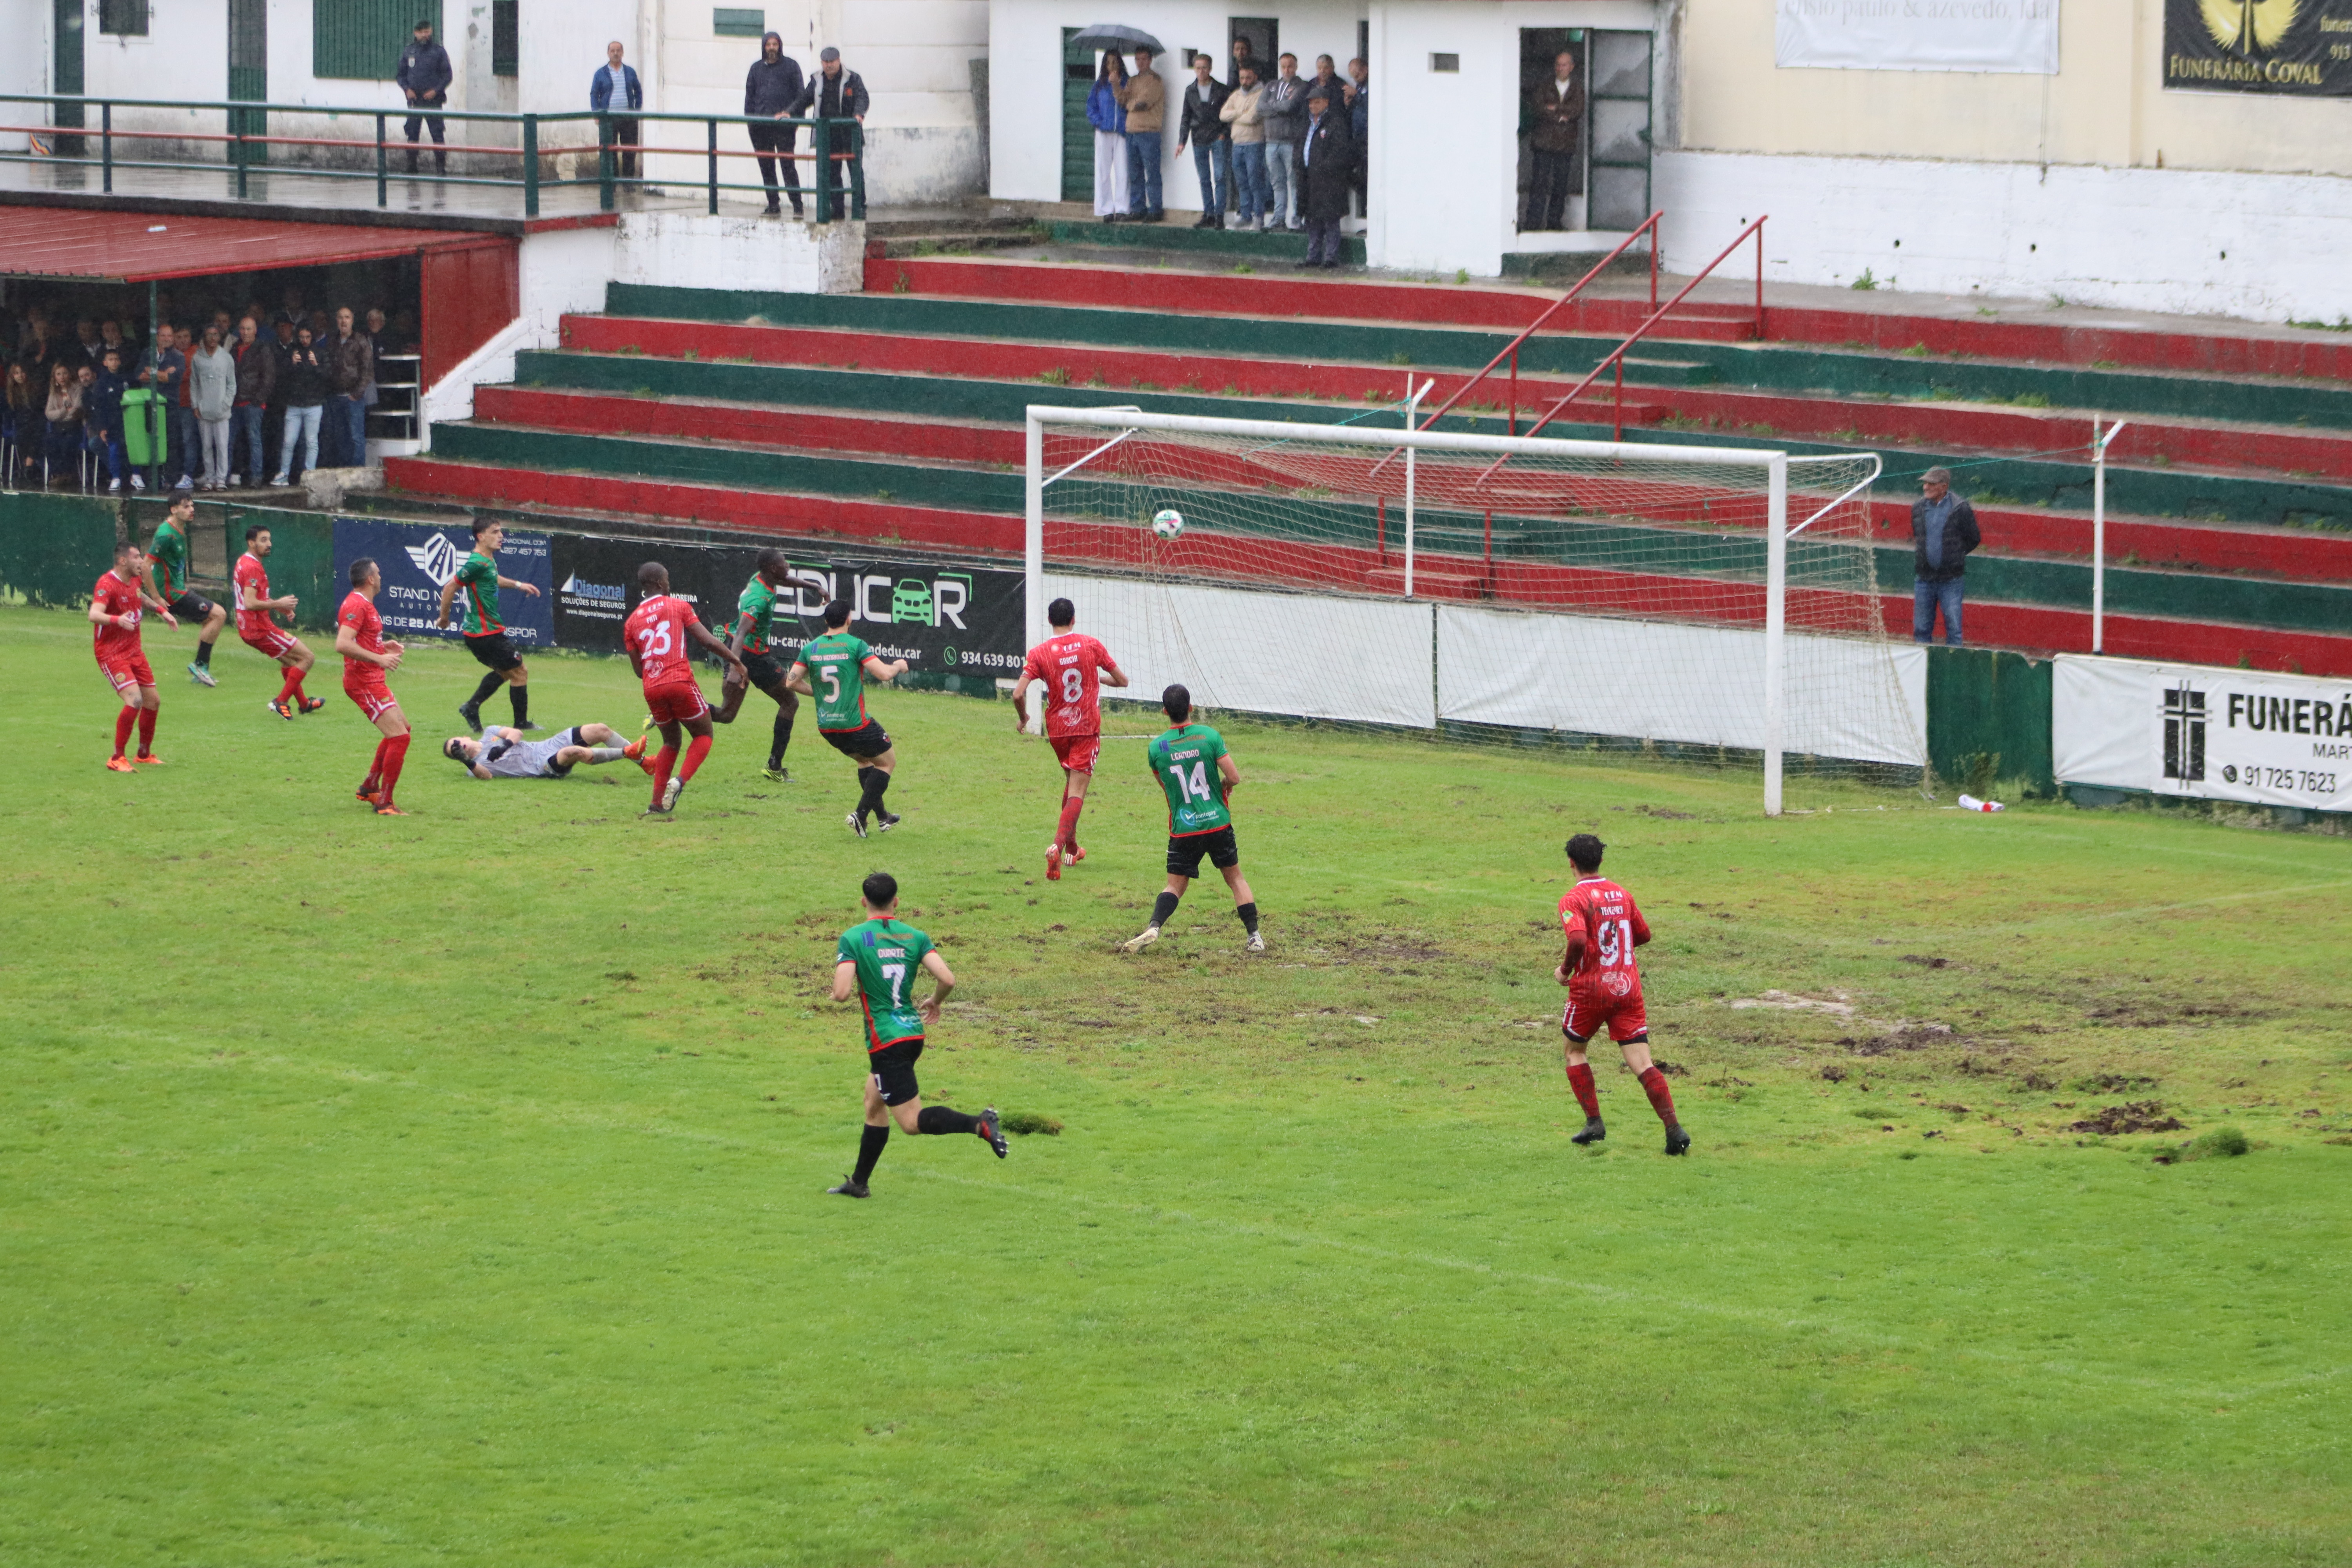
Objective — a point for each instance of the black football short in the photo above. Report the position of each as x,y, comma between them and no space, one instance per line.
894,1070
190,605
556,770
866,741
493,651
764,670
1184,854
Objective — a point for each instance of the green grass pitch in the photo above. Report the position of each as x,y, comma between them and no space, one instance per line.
450,1189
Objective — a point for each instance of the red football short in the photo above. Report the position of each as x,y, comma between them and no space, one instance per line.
271,642
676,703
1588,1009
1079,752
374,698
126,676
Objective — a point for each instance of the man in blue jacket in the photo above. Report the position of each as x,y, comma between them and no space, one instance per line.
616,87
423,78
771,89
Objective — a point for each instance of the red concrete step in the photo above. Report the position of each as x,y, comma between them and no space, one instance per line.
2207,350
2290,554
2034,628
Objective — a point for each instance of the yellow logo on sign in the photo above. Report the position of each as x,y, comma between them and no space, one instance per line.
2247,25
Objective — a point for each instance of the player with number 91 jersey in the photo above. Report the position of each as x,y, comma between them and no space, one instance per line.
1607,982
655,632
887,954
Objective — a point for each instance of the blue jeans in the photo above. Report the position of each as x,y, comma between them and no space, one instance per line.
1143,173
107,446
302,425
1926,598
180,459
347,419
1283,197
245,436
1214,162
1249,180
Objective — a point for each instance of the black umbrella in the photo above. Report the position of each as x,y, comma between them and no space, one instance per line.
1111,36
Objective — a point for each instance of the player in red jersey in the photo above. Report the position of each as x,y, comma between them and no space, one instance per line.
367,659
115,604
1071,667
263,635
657,634
1604,986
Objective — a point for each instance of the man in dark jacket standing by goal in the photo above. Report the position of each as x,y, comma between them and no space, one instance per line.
771,89
1943,531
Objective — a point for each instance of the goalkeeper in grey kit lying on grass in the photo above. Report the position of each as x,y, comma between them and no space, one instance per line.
503,754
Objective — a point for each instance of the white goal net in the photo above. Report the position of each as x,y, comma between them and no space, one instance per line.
1714,604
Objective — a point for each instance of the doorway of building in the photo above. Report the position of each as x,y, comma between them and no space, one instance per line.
1550,190
1264,36
65,72
1078,136
1619,119
248,76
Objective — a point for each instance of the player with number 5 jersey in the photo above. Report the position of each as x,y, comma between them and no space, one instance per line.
833,670
878,962
1603,927
1198,775
657,636
1071,667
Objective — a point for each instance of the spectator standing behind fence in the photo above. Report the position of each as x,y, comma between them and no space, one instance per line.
1327,158
1555,124
771,90
256,383
616,89
1283,110
1145,103
212,388
306,392
350,366
187,437
62,415
1943,531
1108,115
102,429
836,92
1240,114
423,78
161,370
1358,92
20,421
1202,125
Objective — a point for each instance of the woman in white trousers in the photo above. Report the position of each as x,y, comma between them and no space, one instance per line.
1108,117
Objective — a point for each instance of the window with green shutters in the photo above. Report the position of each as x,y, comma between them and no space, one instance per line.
506,38
360,40
731,22
123,18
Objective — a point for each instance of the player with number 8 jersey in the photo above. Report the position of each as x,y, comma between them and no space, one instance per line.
656,636
1602,927
1073,668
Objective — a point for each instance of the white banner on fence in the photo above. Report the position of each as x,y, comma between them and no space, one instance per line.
1360,660
2194,730
2013,36
1697,685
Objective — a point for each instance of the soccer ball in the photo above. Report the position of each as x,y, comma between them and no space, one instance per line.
1168,522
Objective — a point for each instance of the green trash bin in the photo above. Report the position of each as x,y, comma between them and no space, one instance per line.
145,426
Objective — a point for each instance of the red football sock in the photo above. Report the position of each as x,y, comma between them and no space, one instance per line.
291,688
1662,1098
1066,834
664,760
122,722
375,767
1579,1078
396,748
294,679
696,750
146,732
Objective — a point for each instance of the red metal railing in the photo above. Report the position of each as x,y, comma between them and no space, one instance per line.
1616,357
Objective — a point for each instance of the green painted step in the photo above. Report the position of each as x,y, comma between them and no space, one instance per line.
1764,367
2324,608
2013,481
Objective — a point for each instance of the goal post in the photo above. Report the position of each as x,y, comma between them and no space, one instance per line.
1619,596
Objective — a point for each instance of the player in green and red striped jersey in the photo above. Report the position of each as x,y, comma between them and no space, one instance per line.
485,633
833,670
877,962
755,615
169,554
1198,775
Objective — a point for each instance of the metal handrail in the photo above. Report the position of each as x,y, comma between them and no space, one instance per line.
842,137
1616,356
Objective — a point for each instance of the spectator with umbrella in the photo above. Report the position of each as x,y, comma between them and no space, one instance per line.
1108,117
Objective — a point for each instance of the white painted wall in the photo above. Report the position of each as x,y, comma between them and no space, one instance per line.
24,67
2263,246
694,250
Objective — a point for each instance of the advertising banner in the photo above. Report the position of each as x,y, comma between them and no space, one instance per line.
2202,732
941,618
2009,36
2296,48
418,558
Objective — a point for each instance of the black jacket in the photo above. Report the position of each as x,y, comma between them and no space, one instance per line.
304,382
839,96
1327,155
772,88
425,72
1960,536
1200,124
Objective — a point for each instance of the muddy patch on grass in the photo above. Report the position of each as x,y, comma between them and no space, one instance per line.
2135,1116
2161,1013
